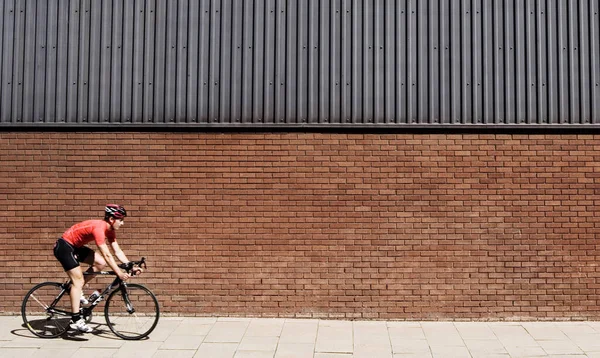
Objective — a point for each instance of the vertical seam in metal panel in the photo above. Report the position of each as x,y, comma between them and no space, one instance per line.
166,78
110,86
77,55
35,52
320,51
538,55
497,54
220,98
507,74
585,70
527,52
2,24
144,69
593,74
593,16
12,77
570,60
210,49
331,93
417,88
551,64
560,61
451,58
100,57
253,74
187,67
581,37
242,59
261,93
199,68
133,64
296,109
463,56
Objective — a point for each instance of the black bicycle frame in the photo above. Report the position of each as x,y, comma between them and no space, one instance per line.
86,310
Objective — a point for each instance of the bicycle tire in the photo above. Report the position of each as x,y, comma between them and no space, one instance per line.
136,321
35,315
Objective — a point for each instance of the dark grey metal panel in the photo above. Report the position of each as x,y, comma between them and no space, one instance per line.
286,63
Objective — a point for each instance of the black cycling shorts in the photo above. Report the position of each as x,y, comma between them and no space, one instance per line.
69,256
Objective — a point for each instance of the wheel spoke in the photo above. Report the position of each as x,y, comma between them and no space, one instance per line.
38,301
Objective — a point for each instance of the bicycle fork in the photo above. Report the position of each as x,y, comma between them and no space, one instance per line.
125,296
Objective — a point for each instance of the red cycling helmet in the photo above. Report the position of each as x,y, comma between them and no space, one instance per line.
115,211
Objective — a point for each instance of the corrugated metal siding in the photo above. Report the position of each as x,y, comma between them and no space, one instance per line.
299,62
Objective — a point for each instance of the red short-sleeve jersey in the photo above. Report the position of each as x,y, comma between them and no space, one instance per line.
88,231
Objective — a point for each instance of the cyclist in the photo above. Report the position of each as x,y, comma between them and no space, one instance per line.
70,251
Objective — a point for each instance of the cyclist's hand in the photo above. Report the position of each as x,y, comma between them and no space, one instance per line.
137,271
123,276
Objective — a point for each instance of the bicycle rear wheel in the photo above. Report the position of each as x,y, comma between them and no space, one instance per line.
131,312
36,314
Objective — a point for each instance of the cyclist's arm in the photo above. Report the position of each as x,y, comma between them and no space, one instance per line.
121,256
108,257
119,253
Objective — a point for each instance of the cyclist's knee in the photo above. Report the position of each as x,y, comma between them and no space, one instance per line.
99,262
76,277
77,281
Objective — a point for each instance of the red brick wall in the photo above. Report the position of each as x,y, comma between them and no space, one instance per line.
406,226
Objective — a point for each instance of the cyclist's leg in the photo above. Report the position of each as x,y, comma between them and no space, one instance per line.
77,282
96,262
68,256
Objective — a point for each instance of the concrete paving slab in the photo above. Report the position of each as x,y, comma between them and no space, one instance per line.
442,334
450,351
216,350
413,355
335,337
513,335
295,350
485,346
562,347
182,342
96,352
406,332
299,331
370,352
475,330
227,331
254,354
192,329
410,346
371,334
544,331
589,343
518,352
138,349
170,353
258,344
18,352
265,328
54,353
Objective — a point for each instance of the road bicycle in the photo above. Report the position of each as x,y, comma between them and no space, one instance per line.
131,310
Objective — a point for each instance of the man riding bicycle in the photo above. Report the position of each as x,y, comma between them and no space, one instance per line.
69,250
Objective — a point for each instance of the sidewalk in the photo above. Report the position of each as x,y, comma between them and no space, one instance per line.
261,337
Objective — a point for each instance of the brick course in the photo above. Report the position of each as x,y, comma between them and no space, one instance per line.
390,226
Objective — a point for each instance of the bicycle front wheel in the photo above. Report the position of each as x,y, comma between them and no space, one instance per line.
39,314
131,311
